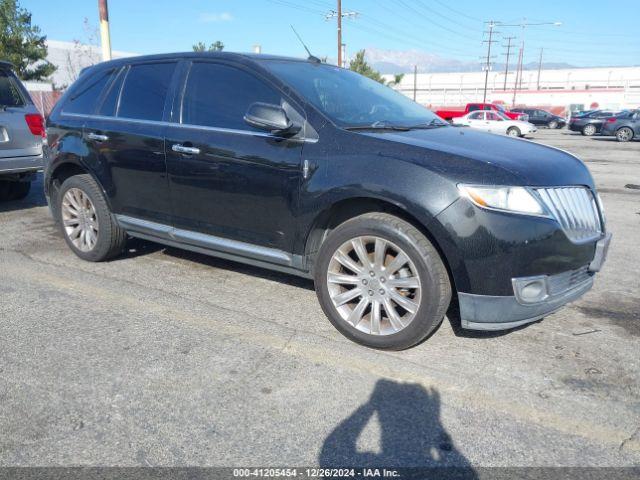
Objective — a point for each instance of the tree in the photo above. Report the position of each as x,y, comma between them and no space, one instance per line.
397,78
22,44
216,46
360,65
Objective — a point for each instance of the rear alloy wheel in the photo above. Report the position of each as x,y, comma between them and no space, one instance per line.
381,282
514,132
553,124
88,226
624,134
589,130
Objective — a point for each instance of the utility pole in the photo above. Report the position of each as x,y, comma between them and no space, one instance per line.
506,68
518,71
540,68
339,14
339,33
105,39
487,65
415,81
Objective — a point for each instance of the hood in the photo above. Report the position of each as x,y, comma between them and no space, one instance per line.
484,158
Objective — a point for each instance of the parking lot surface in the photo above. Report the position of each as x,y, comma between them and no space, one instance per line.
163,357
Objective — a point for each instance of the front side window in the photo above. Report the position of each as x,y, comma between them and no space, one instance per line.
145,91
350,99
9,93
219,95
84,99
494,117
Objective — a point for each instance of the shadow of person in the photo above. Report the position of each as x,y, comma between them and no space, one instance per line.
410,432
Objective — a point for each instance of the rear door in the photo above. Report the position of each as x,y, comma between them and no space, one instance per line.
16,140
125,136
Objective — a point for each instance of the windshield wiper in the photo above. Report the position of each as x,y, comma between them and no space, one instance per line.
379,125
434,123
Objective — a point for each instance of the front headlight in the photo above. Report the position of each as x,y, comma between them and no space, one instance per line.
510,199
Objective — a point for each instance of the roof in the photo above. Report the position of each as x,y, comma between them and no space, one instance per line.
218,55
5,64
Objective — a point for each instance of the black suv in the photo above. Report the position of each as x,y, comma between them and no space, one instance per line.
542,118
315,170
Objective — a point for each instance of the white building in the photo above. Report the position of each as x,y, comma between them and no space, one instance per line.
557,90
72,57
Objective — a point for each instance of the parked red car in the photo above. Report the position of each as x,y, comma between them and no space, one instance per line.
448,115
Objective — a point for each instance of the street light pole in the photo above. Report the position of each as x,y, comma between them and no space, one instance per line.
524,25
488,64
105,38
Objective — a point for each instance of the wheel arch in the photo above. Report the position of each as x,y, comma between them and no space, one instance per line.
347,208
64,170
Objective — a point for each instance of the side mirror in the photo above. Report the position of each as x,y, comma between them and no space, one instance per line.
272,118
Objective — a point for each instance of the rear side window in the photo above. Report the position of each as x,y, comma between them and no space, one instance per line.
84,99
476,116
9,93
145,90
219,96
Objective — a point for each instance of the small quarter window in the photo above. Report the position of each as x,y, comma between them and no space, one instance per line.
84,99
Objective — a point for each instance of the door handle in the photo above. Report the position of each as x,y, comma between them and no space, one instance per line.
97,137
185,150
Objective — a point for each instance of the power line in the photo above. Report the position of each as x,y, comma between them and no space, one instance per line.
425,17
445,17
457,12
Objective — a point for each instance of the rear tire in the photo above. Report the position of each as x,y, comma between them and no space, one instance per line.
374,315
514,132
81,207
589,130
624,134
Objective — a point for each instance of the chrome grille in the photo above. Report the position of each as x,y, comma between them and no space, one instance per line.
575,209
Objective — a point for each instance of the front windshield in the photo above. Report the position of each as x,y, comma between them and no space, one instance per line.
503,115
350,99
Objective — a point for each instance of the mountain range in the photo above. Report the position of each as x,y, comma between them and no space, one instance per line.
403,61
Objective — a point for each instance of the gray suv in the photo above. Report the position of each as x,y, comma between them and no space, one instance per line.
21,137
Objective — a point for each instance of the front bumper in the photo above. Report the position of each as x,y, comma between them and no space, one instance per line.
489,312
32,163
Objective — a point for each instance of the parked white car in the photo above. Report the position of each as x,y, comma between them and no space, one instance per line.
495,122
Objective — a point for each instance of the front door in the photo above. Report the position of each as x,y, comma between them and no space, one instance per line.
227,178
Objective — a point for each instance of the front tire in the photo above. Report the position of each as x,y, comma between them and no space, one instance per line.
381,282
553,124
514,132
87,224
624,134
589,130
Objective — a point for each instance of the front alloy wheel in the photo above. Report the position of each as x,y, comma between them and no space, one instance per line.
373,285
80,220
381,282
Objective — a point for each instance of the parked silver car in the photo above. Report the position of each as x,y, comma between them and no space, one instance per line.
22,133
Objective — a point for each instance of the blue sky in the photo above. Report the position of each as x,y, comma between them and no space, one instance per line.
593,32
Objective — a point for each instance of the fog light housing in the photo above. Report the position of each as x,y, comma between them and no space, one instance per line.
530,289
